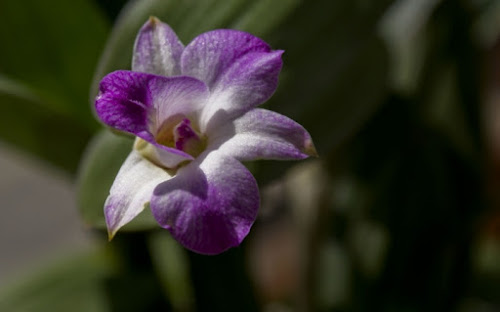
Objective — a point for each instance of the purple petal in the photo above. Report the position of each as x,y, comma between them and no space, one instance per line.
250,81
210,205
131,191
185,135
157,49
210,54
123,101
137,102
263,134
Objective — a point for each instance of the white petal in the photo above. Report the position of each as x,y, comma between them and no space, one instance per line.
157,49
263,134
131,191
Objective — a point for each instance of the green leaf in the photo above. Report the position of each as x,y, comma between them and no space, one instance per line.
100,164
404,31
73,284
335,70
446,114
52,47
171,265
32,126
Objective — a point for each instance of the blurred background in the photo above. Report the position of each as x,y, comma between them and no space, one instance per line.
401,211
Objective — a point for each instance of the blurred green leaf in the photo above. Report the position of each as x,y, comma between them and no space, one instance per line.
221,282
171,265
73,284
137,285
32,126
403,28
445,112
52,47
487,27
335,76
100,164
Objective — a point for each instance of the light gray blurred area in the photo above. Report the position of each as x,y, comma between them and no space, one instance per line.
39,220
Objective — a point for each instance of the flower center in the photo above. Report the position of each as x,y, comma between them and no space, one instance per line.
187,139
176,132
179,133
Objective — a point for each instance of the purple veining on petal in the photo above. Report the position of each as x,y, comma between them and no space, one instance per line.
209,206
157,49
263,134
210,54
123,102
135,102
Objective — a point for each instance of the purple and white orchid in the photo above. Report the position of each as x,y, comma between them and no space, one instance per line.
193,112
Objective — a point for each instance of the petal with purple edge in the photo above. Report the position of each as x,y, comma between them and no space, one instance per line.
157,49
210,205
249,82
209,55
263,134
131,191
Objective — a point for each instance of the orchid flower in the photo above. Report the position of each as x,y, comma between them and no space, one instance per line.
193,112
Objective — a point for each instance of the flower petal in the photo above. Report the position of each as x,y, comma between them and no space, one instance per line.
210,205
249,82
263,134
139,102
131,191
157,50
123,101
176,96
209,55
